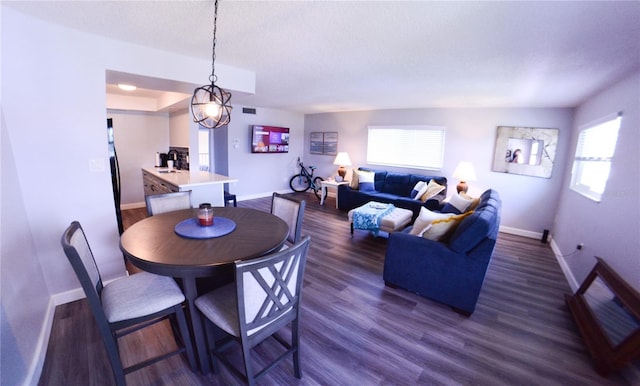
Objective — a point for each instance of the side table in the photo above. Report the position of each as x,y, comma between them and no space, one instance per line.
333,184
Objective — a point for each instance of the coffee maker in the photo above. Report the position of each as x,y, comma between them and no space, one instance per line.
161,160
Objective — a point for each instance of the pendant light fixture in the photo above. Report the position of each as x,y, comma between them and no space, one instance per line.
210,105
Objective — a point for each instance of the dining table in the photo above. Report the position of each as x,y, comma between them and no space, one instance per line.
174,244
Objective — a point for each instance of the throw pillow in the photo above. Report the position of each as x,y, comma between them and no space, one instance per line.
442,229
460,202
433,188
354,179
365,181
424,219
474,201
418,190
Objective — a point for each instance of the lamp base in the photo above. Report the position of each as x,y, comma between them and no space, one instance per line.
342,171
462,187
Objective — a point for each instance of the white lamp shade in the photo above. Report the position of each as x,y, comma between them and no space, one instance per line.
342,159
465,172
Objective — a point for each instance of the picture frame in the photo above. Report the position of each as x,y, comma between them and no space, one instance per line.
325,143
528,151
316,143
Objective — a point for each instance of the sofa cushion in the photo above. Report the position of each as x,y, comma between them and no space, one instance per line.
441,229
397,183
418,190
457,204
381,175
425,218
433,188
482,223
353,184
365,181
474,201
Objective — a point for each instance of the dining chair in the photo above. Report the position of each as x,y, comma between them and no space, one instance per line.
167,202
229,198
291,211
127,304
264,298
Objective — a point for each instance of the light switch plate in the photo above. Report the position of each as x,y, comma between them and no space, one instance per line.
97,165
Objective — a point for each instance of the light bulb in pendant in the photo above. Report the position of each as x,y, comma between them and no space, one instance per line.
212,110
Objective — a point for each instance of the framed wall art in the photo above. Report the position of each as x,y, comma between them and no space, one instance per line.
325,143
528,151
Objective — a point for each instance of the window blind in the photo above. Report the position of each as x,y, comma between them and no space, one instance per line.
420,147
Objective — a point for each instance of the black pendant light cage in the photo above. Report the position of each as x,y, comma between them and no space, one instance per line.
210,104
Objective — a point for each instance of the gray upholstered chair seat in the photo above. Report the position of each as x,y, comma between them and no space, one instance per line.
127,305
219,306
119,305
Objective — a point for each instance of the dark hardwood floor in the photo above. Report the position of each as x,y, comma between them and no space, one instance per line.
356,331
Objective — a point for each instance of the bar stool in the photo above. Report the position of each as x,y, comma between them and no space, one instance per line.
228,197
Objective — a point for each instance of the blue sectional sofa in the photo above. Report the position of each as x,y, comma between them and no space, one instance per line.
392,188
450,272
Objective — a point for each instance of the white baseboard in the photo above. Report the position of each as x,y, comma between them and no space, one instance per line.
573,283
68,296
37,364
521,232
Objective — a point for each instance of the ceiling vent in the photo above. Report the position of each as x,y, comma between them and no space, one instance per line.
248,110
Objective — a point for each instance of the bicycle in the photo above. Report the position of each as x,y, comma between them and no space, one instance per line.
304,180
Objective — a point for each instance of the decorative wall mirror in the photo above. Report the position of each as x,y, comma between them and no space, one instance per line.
529,151
607,312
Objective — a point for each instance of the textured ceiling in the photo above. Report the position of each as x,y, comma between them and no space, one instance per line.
352,55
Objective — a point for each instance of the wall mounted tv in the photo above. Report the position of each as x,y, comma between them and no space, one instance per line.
269,139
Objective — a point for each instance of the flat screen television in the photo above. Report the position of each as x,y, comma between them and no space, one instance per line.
269,139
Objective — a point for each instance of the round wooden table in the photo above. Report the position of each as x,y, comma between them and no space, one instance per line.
153,245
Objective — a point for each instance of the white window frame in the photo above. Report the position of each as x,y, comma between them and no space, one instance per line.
594,153
415,146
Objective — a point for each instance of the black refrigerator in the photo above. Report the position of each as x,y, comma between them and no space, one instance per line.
115,173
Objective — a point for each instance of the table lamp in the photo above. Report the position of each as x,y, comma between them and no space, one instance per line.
342,160
464,172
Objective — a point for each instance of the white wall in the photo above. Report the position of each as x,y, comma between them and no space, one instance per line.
260,175
137,136
611,228
54,117
179,131
529,203
26,314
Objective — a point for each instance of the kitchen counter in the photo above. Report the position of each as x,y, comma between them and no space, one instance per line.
204,186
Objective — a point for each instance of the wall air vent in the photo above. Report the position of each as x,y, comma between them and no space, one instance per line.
248,110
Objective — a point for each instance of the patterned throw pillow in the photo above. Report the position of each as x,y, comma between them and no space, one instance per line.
432,190
365,181
418,190
424,220
442,229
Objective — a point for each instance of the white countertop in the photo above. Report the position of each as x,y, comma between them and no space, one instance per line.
186,178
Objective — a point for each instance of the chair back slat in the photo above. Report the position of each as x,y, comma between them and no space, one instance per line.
292,212
167,202
269,288
78,251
